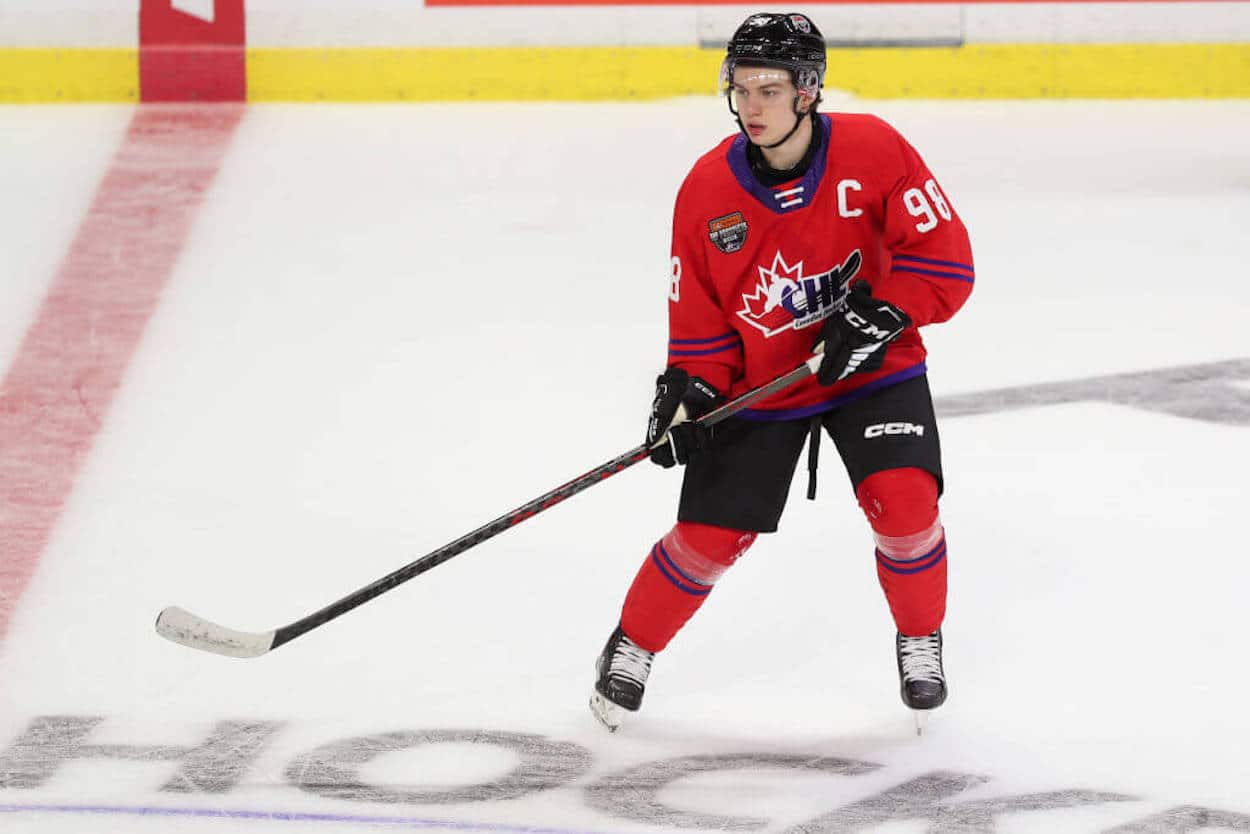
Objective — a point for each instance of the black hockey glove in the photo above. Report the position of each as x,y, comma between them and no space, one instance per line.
679,399
857,333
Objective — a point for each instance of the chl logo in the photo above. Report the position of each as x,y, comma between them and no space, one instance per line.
893,428
786,299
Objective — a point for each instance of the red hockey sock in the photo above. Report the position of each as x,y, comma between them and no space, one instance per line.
901,505
675,579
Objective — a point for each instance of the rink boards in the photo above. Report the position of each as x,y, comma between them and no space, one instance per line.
457,50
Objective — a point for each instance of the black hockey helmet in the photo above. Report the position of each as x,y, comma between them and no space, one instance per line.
788,41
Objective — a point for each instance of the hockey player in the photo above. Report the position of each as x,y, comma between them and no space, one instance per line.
803,229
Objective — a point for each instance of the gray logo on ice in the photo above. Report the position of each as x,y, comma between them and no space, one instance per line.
1199,392
332,770
215,765
218,764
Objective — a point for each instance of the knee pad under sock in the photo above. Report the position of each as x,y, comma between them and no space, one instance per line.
676,577
901,506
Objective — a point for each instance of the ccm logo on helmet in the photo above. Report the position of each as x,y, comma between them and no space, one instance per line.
893,428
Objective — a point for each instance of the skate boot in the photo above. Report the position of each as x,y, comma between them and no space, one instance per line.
622,670
922,682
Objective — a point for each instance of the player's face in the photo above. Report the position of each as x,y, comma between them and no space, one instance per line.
764,99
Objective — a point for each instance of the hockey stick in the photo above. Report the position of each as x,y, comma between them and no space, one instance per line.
184,628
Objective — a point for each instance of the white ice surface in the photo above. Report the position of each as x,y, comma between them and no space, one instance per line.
392,324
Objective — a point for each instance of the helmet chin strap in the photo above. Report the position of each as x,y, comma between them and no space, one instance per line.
798,120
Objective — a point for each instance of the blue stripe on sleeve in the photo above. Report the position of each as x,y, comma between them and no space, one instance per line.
935,273
730,335
730,346
934,262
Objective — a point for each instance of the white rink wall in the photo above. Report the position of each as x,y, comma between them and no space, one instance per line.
343,23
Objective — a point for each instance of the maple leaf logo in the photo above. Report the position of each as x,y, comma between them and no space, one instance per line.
785,299
765,308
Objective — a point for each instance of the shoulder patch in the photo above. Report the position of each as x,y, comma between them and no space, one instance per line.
729,233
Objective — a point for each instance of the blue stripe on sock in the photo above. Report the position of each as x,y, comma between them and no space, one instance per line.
669,561
697,592
885,562
904,562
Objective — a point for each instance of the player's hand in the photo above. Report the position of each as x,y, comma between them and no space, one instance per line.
679,399
856,335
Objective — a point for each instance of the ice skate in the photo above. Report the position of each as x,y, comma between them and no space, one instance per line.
622,670
922,682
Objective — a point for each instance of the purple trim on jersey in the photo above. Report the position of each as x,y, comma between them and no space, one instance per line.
933,262
935,273
732,334
764,415
730,346
732,341
701,591
930,559
741,168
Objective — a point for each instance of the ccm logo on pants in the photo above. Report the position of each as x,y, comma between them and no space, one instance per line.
893,428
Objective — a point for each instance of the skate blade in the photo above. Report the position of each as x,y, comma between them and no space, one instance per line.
921,717
609,714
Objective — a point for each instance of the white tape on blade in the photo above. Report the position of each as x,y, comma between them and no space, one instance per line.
203,9
186,629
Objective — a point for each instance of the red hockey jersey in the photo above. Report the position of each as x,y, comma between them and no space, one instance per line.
756,269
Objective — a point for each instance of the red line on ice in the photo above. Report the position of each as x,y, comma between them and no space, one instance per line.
56,395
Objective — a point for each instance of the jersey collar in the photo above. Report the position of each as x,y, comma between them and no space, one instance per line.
794,197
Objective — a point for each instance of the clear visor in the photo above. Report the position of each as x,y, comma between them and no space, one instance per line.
754,76
808,81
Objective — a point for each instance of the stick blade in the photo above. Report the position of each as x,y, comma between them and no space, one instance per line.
186,629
